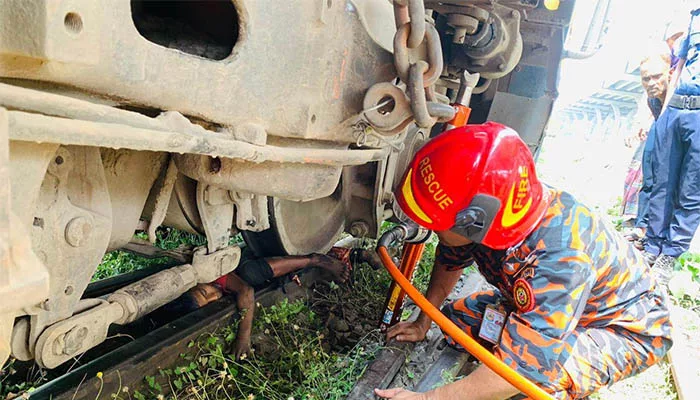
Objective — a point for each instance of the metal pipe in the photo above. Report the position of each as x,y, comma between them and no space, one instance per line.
45,129
146,295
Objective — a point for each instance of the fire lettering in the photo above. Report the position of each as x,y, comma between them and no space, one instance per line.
523,189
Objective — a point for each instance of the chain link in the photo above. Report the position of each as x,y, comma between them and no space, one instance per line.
413,12
419,64
416,92
419,74
403,55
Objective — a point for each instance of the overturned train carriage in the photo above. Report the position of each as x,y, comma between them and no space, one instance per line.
218,117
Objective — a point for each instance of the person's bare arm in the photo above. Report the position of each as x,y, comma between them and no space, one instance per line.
482,384
442,281
245,301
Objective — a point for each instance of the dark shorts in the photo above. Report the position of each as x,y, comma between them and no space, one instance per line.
253,270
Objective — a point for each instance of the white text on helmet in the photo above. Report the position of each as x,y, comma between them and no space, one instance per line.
434,187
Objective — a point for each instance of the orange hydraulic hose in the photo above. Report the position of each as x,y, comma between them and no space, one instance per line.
461,337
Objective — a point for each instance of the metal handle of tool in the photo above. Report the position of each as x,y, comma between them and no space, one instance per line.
393,306
504,371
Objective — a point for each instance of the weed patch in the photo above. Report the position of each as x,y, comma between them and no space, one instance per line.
302,350
120,262
292,359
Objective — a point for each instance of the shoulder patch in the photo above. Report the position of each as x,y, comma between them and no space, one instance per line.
523,296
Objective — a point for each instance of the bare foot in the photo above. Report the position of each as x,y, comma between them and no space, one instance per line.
340,271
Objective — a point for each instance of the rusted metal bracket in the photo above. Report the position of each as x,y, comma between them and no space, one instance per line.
216,210
251,211
24,280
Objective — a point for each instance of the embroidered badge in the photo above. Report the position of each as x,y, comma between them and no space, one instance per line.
522,295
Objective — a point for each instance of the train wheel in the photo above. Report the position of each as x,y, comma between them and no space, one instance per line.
299,227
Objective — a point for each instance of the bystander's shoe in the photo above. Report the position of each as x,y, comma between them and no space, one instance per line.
663,268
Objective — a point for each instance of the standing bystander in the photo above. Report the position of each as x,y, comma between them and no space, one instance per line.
674,202
655,76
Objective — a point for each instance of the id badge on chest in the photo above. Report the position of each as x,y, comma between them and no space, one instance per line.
492,324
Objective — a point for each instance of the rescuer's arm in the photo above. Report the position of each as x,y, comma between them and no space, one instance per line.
449,262
482,384
442,281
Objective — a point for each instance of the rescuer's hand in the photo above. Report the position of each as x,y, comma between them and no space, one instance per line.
409,331
399,394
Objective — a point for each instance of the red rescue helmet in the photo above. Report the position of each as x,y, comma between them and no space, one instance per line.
478,181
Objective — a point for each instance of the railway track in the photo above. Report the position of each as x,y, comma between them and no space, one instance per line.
158,341
154,343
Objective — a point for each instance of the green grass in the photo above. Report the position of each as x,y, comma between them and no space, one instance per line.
690,262
120,262
614,213
297,356
293,360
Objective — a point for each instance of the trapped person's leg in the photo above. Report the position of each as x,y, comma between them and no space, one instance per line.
686,215
257,271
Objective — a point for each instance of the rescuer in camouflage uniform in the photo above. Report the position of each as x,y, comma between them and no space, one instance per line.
580,308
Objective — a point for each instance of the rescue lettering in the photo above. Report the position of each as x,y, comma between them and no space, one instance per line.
434,188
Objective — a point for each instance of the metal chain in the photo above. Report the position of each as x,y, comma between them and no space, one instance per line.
420,75
413,12
419,64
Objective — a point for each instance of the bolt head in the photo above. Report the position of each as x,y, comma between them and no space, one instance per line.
359,229
78,231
